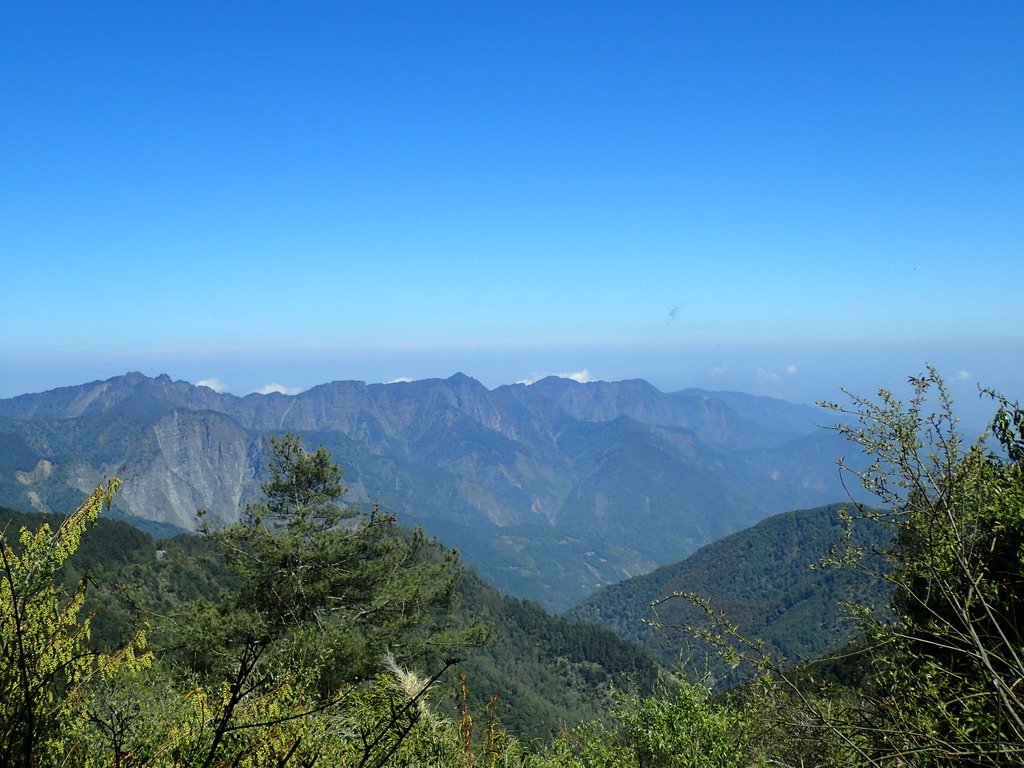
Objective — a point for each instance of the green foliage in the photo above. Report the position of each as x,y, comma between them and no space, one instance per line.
938,678
321,590
302,490
258,673
679,728
548,671
943,674
284,622
329,585
45,662
113,553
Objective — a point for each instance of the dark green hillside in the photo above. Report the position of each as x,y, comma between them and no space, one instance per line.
761,578
109,554
112,545
517,557
546,670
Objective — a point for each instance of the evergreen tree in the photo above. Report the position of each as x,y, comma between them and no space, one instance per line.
325,591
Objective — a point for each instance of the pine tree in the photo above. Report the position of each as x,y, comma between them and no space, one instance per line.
325,593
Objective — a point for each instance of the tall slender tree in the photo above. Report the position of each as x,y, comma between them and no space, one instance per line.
325,592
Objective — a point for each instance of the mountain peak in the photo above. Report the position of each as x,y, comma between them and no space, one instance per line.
554,382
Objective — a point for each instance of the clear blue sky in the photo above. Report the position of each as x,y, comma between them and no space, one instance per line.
780,198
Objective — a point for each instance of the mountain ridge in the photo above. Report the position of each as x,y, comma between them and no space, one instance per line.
586,483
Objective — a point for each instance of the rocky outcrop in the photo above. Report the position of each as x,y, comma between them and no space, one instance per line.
202,461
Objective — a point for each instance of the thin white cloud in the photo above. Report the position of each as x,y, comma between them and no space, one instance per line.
791,369
964,376
401,380
581,377
213,383
279,389
764,375
719,370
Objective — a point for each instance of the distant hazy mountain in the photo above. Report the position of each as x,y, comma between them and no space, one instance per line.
550,490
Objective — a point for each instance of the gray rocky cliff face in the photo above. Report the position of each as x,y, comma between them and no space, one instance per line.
177,464
203,461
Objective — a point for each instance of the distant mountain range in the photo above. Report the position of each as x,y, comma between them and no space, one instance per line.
549,490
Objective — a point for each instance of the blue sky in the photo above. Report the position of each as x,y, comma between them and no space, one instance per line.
780,198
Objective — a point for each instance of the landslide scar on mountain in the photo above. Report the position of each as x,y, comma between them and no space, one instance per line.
43,469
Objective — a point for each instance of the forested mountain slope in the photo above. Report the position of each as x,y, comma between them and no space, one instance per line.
308,632
767,579
547,671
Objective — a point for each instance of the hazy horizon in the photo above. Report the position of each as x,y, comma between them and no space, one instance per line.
781,199
803,385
